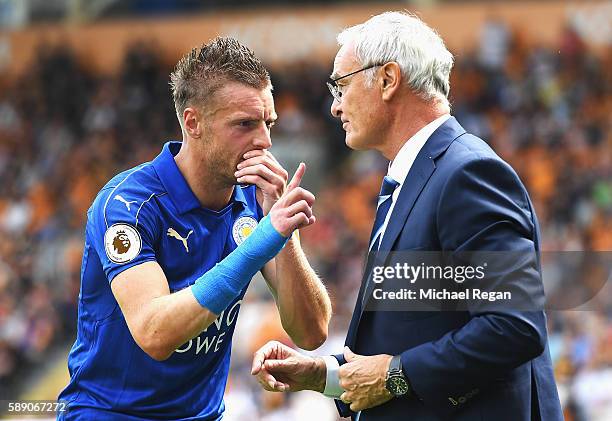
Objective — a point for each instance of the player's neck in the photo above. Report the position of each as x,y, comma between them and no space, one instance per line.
211,192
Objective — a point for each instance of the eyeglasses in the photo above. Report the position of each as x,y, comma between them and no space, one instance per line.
333,87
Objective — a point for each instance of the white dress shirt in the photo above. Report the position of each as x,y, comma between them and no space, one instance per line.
400,166
398,170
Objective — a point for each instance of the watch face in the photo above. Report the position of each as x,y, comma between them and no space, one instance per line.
398,386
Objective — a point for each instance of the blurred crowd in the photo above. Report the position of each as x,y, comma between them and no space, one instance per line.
64,131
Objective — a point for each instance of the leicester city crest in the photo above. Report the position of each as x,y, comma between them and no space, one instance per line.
243,227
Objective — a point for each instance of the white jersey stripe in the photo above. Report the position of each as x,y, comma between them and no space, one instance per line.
142,204
113,191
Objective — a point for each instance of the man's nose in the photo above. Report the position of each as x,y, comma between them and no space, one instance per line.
262,139
335,108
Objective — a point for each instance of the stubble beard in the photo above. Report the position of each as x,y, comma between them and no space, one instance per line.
219,168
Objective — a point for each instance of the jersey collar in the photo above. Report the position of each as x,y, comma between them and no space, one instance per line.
175,184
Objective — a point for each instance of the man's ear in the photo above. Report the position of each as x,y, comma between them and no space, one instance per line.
192,121
391,80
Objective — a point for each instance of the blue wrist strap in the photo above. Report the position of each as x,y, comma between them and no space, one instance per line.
218,287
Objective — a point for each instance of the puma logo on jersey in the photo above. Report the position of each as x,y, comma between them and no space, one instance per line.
125,202
172,233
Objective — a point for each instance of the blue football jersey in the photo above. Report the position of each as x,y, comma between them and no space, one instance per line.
149,213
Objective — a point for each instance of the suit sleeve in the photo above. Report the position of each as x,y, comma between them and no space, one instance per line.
483,207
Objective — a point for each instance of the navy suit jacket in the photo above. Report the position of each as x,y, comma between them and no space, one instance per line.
462,365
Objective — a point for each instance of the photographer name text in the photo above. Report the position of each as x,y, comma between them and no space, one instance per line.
441,294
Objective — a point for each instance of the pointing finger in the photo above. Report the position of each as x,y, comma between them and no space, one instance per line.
297,177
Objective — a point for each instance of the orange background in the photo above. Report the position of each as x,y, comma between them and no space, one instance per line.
283,35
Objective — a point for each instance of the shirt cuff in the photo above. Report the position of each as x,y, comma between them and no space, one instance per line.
332,380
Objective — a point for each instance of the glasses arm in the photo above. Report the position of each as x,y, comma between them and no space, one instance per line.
355,72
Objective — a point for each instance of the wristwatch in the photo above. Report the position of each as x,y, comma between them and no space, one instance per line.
396,382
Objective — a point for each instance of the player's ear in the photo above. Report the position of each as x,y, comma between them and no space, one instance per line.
192,122
390,79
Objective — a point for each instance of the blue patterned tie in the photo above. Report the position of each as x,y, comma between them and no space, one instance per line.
385,198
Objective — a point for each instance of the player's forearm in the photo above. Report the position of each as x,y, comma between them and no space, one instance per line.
176,318
170,321
303,302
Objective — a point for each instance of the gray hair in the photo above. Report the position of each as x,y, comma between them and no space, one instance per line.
424,61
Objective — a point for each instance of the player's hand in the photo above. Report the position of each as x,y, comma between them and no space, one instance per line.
261,168
294,209
363,379
280,368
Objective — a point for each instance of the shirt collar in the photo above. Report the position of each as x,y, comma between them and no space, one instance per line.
175,184
400,166
239,197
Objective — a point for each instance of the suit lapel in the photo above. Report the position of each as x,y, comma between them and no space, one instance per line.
417,178
420,172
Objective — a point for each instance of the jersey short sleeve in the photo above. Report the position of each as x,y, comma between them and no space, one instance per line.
121,227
